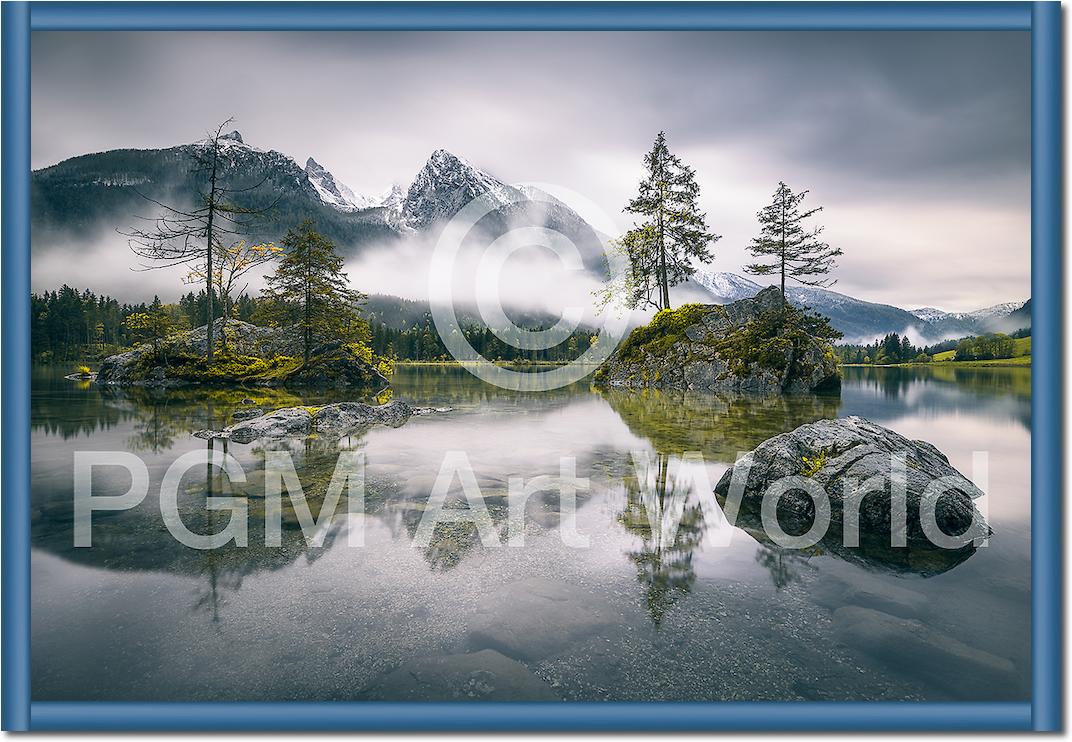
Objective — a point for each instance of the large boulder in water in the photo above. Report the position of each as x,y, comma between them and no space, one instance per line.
838,455
739,347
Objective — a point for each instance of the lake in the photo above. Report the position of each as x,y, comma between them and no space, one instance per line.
633,615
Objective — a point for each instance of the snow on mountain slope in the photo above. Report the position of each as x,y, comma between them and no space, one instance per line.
998,311
393,198
929,314
726,286
333,192
444,185
859,320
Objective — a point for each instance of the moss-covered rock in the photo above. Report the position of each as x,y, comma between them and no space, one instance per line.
249,355
752,345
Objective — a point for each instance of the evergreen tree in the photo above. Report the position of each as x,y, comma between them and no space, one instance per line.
788,247
672,234
308,290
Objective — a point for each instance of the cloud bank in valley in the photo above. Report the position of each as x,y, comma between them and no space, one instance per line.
916,143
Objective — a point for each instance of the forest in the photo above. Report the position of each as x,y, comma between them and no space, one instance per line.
70,325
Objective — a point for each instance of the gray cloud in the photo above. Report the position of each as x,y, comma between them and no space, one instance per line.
916,143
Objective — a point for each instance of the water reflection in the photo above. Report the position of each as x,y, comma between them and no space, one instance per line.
785,567
678,620
717,425
661,510
874,552
891,393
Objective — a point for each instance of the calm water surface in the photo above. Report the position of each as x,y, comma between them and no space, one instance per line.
634,616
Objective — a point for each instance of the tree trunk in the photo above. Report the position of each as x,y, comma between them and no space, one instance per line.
663,284
784,302
308,306
226,319
209,340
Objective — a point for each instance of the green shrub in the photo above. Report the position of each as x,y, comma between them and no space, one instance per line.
812,464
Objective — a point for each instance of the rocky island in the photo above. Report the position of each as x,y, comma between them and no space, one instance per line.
254,355
757,345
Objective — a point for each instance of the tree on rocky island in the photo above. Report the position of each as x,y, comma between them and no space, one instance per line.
789,249
232,263
181,236
309,291
673,233
154,324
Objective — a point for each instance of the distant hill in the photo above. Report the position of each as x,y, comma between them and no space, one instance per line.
863,321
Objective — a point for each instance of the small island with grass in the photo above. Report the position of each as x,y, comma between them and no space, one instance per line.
312,331
761,345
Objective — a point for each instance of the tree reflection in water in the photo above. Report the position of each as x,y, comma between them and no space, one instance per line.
661,511
784,566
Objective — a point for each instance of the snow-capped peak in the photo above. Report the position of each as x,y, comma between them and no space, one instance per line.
996,311
929,314
231,141
446,183
726,286
393,198
333,192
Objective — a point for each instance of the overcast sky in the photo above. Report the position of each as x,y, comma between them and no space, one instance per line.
916,144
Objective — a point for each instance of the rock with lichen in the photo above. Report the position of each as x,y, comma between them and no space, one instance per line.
246,354
752,345
854,458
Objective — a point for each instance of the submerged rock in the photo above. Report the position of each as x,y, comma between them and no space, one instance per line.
711,347
479,676
918,651
536,618
333,419
840,454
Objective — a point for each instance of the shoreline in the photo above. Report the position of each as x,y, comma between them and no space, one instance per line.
1017,362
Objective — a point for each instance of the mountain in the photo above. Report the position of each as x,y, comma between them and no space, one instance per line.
332,192
726,287
393,198
1005,317
89,197
930,314
444,185
863,321
1019,318
96,194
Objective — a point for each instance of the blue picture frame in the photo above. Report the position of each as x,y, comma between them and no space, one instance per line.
1042,19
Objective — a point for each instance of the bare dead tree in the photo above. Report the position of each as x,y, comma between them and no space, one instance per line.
179,236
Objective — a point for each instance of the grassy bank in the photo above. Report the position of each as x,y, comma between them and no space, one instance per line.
1018,362
1021,357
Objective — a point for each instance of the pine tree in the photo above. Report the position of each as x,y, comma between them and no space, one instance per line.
793,251
673,233
308,290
